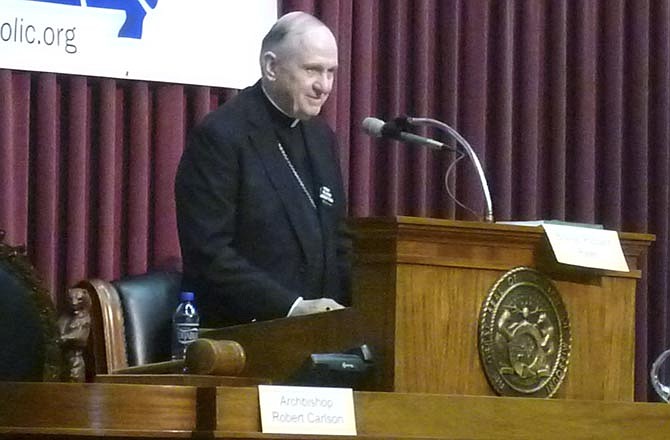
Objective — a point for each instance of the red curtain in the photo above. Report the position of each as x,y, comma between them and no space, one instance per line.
566,103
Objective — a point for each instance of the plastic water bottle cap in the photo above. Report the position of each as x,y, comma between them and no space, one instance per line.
186,296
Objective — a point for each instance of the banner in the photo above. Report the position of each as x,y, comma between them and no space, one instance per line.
205,42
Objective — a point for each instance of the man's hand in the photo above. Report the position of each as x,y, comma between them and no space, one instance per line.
310,306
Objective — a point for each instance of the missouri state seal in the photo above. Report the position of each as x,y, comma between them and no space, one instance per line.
524,335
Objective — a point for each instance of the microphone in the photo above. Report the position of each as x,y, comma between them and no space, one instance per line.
378,128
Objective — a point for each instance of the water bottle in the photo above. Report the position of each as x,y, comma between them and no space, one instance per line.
185,325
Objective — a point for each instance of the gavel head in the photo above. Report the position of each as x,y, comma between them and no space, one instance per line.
215,357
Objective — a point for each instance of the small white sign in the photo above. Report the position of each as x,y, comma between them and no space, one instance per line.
586,247
307,410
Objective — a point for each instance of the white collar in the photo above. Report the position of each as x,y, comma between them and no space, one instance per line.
267,95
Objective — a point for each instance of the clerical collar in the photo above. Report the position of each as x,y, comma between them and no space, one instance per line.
294,121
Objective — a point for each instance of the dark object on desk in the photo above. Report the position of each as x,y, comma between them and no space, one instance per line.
203,357
343,370
215,357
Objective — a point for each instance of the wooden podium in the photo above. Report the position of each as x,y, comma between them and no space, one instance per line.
418,288
420,284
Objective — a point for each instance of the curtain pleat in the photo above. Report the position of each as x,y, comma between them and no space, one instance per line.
525,121
140,163
581,114
636,126
14,132
108,148
500,123
556,63
170,131
392,175
653,315
447,68
567,105
612,108
361,159
46,207
77,203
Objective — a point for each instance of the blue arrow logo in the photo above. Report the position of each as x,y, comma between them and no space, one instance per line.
135,12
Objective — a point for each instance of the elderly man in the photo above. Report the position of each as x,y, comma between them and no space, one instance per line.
260,202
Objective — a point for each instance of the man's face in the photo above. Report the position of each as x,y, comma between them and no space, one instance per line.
304,72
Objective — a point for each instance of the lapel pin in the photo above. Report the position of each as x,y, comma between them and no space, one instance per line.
326,196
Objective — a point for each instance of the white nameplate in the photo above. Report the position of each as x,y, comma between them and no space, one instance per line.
586,247
307,410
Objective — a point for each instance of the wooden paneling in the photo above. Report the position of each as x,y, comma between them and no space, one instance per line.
602,318
422,416
97,409
470,417
420,283
436,344
276,349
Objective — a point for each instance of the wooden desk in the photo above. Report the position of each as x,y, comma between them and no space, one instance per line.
64,410
81,411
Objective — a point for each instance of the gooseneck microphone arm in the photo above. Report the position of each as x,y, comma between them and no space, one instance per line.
468,150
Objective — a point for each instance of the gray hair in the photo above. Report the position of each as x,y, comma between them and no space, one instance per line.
289,24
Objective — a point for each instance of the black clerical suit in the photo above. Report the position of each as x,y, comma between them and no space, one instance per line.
251,240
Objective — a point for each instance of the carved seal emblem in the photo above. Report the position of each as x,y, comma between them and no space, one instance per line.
524,335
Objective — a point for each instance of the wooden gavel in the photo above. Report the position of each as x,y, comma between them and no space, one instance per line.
203,356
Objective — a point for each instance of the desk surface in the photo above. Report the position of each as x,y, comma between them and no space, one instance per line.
195,380
58,410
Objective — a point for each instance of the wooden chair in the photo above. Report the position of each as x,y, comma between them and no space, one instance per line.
130,338
29,337
130,321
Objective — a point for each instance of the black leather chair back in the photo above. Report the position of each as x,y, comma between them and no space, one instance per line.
148,300
29,348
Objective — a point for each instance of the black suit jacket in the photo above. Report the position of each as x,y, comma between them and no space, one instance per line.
247,244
